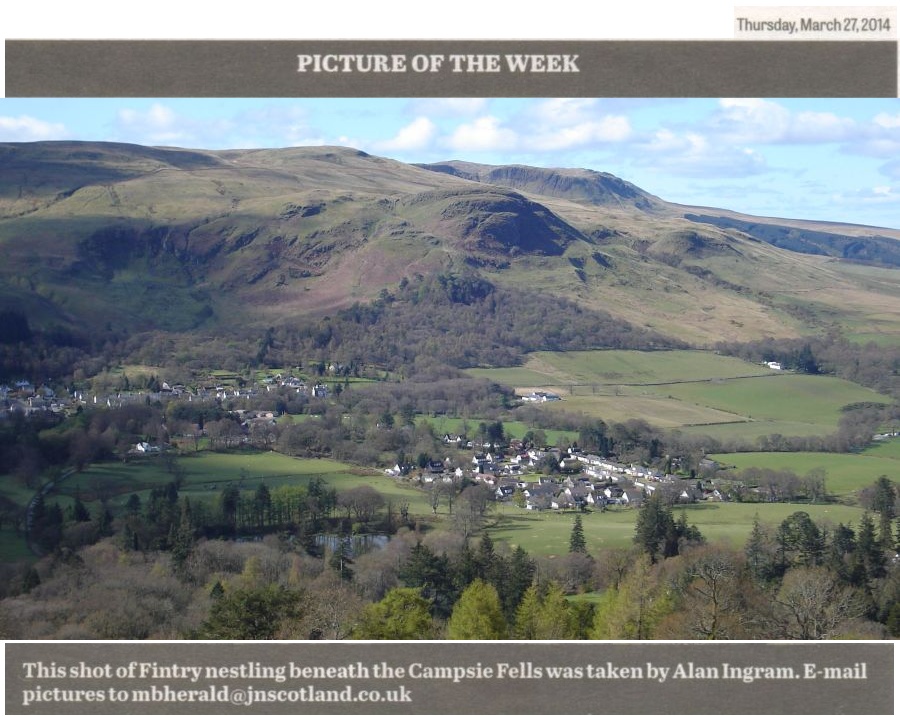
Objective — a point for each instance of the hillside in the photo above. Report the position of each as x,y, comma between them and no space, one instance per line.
142,238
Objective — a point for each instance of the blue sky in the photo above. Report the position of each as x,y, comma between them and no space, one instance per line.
826,159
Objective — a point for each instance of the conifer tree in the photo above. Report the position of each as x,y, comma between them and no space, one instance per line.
655,531
577,542
545,614
884,503
403,614
478,614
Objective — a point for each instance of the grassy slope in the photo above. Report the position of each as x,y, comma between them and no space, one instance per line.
722,396
548,533
377,221
539,533
207,473
845,474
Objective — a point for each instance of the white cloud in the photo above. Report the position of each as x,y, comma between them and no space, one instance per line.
482,135
265,126
696,155
565,111
605,130
877,195
751,120
821,127
760,121
887,121
417,135
157,125
30,129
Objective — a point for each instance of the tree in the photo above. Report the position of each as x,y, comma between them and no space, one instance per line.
31,580
471,509
805,361
495,433
363,502
431,575
545,613
252,612
262,505
133,505
519,577
577,542
229,500
478,614
333,611
884,501
760,553
182,537
79,511
403,614
655,529
713,595
869,554
635,609
340,561
800,541
811,604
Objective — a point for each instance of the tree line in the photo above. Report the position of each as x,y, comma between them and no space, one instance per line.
797,579
870,364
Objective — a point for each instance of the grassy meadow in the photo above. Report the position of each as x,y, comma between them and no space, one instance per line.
207,473
845,474
547,533
540,533
697,391
512,428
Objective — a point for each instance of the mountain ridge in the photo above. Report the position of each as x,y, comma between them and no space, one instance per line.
175,239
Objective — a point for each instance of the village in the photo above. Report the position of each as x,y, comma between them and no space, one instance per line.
531,477
553,478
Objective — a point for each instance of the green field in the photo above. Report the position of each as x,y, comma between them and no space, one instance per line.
885,448
207,473
547,533
844,474
560,369
697,391
780,398
512,428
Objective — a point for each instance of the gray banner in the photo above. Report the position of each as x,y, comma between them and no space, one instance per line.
486,68
449,678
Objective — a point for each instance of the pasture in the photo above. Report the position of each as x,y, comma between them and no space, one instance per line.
512,428
696,391
547,533
844,473
207,473
779,398
539,533
615,367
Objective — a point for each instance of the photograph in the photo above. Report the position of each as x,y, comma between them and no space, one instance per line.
414,399
449,368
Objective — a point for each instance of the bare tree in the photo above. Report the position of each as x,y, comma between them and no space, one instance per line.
363,501
812,604
472,507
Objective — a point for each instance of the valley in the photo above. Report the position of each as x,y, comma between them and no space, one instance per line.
215,362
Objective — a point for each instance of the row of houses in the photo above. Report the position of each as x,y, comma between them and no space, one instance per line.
581,492
581,480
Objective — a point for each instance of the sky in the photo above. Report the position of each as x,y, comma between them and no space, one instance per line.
823,159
